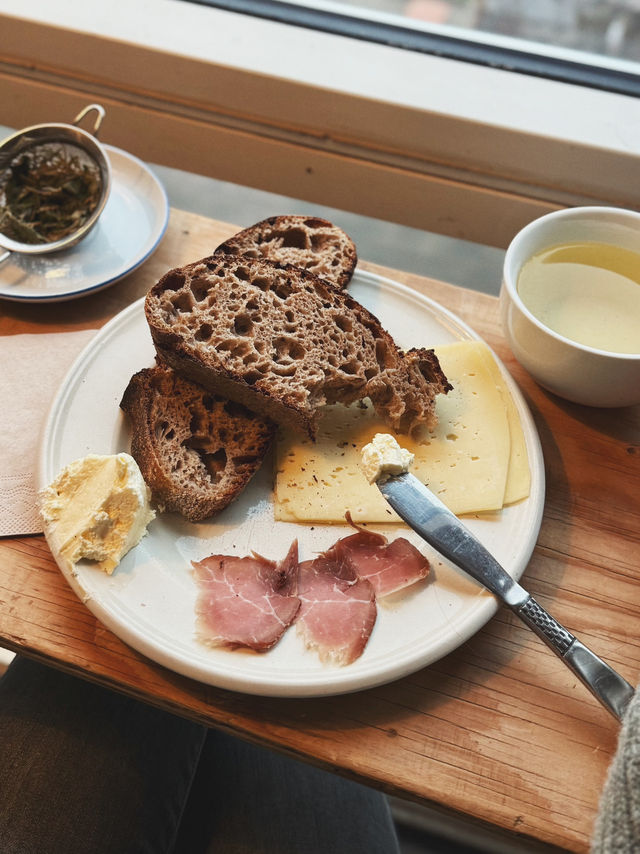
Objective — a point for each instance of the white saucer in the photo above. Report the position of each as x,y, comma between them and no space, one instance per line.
131,226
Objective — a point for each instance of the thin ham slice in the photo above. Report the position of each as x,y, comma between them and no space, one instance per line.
250,601
388,566
337,609
245,601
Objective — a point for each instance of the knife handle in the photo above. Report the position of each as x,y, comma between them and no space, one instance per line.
545,626
605,684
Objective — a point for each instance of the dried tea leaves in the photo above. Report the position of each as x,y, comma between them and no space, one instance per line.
48,192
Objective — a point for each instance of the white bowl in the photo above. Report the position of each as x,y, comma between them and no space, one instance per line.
574,371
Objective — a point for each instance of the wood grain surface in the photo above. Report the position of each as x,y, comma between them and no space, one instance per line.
499,731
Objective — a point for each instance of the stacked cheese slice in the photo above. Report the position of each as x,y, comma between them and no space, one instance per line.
475,460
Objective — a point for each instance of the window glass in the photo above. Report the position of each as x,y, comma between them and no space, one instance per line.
608,29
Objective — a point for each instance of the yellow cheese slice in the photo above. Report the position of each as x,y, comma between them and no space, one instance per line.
465,461
518,481
519,474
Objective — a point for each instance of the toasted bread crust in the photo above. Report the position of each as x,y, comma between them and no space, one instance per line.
196,451
284,342
309,242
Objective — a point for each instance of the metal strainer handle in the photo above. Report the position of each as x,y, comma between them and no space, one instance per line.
98,120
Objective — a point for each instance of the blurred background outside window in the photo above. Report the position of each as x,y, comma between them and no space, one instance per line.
606,28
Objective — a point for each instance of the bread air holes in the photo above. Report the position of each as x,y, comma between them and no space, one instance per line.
204,332
282,288
320,241
242,324
238,349
214,463
287,349
261,283
317,289
250,358
351,368
163,432
317,267
253,376
293,238
215,266
343,323
183,301
200,288
173,281
288,369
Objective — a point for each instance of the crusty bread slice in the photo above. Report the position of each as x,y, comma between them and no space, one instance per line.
196,451
284,342
305,241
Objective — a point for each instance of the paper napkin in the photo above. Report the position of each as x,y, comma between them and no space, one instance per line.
33,367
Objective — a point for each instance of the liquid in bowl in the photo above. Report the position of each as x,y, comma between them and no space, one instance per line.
586,291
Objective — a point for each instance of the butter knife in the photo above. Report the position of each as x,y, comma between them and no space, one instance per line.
436,524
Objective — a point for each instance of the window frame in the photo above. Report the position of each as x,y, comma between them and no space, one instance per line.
468,151
479,48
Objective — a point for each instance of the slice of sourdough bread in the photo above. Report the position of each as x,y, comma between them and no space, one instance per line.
305,241
196,451
284,342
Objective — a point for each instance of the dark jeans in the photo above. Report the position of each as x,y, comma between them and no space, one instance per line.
85,770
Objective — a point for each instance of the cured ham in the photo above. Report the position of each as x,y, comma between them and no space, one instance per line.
337,609
388,566
246,601
250,601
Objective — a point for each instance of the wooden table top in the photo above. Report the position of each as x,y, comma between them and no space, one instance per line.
499,731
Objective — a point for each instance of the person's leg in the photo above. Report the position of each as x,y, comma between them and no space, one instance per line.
86,770
250,800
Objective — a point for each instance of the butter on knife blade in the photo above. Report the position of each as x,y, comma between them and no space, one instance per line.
383,457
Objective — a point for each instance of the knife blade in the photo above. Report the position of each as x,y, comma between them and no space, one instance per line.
437,525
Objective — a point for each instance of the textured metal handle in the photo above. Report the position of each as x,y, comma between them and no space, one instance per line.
605,684
544,625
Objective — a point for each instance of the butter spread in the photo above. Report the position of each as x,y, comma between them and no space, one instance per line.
96,508
383,457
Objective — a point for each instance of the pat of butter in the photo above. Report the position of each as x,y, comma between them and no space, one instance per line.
97,508
383,457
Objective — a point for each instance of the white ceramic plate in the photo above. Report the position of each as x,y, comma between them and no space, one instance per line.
129,229
149,601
